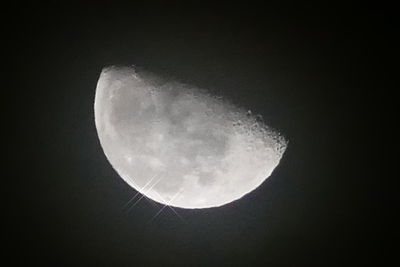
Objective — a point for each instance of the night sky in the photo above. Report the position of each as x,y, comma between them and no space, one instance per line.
315,73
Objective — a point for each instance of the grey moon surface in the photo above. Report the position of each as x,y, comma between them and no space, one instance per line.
180,145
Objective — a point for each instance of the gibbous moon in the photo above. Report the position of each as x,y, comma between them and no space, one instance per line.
179,145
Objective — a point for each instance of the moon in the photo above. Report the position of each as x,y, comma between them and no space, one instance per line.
180,145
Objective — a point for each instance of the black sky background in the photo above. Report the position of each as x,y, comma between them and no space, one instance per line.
315,73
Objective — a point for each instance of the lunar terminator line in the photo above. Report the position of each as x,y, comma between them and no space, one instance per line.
206,151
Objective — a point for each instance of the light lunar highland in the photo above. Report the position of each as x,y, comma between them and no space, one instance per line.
179,145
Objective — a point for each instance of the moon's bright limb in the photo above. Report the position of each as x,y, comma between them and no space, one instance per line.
178,144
